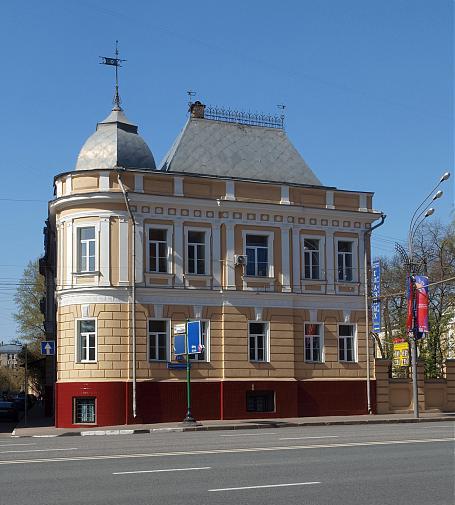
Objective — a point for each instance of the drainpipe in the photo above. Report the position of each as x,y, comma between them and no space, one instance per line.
133,288
367,323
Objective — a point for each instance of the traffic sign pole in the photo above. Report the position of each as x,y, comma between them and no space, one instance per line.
189,419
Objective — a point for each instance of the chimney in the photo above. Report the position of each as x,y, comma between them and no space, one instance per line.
197,110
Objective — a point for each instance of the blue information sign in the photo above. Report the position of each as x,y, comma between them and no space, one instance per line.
194,329
48,348
376,293
179,345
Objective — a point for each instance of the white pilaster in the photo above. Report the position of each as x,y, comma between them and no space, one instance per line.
363,202
329,200
216,255
58,188
296,261
60,261
178,186
330,263
70,250
285,259
178,253
230,266
139,267
104,254
104,181
139,183
123,274
285,195
68,185
230,190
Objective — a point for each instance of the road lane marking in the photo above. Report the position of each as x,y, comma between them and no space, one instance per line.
304,438
164,470
248,435
41,450
9,445
267,486
227,451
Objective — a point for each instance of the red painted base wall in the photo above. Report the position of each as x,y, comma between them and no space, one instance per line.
166,401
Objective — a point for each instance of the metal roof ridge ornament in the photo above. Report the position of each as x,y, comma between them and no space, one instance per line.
114,62
248,118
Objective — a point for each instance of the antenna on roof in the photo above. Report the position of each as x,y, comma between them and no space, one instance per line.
281,106
190,96
114,62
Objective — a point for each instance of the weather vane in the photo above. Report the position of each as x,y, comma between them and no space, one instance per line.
114,62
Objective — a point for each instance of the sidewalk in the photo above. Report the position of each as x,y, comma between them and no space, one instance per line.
39,426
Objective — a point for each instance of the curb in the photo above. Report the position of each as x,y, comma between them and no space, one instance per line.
231,427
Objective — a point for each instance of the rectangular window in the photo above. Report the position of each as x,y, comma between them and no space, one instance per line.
257,252
158,340
346,342
313,342
344,260
203,356
311,258
86,249
260,401
257,341
84,411
158,250
86,338
196,252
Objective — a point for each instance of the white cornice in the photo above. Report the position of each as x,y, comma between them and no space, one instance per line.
211,298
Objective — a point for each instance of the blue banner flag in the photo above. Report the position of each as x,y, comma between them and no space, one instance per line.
376,293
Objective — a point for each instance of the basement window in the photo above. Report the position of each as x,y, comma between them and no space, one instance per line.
84,411
260,401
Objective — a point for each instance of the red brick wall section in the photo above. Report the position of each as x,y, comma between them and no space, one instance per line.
235,399
159,402
334,398
110,402
166,401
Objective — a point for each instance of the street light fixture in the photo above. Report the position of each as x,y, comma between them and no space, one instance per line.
415,223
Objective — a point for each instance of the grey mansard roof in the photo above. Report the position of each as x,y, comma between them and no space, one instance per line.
115,143
213,147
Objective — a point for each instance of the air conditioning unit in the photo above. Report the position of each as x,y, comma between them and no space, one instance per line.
240,259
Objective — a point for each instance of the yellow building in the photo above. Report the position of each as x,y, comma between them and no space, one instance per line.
233,229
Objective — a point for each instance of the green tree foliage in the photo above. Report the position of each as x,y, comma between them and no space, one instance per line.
30,320
434,255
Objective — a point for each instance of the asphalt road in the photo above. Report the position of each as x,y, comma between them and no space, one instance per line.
379,464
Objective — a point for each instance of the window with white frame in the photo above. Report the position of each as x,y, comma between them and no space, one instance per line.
312,258
346,342
86,249
258,336
157,249
345,260
86,340
197,253
158,332
313,342
84,410
257,252
204,355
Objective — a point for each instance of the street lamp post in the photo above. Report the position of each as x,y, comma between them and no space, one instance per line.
416,220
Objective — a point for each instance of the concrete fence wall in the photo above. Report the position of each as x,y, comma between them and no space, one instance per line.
395,395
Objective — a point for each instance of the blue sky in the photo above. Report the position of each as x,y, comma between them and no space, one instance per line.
368,88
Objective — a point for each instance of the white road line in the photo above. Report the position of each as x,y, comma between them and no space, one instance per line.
249,435
13,445
267,486
165,470
304,438
41,450
228,451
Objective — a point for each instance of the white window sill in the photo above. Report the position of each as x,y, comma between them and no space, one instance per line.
95,273
86,362
196,276
268,278
314,362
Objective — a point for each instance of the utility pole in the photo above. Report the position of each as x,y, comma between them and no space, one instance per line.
25,385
